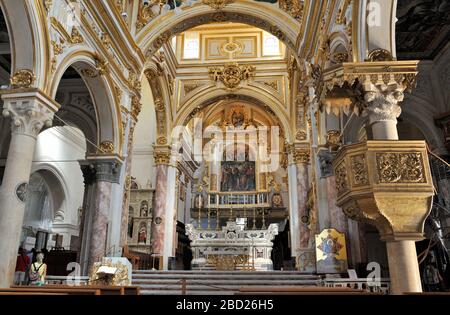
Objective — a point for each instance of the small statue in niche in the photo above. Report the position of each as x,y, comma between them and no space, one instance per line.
144,209
142,237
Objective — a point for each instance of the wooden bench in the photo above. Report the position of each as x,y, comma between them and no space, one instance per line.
104,290
48,291
301,291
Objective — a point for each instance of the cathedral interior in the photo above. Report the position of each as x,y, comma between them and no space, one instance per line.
305,140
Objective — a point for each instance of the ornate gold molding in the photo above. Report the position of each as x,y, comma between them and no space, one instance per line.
217,4
293,7
380,55
106,147
232,74
22,79
162,158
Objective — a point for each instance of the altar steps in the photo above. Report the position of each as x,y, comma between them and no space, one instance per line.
216,282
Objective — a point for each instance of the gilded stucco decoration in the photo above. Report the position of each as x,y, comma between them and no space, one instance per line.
23,79
106,147
232,74
293,7
76,37
217,17
153,77
400,168
162,158
217,4
380,55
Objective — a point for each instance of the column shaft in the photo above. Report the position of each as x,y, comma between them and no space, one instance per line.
403,267
102,205
17,172
159,210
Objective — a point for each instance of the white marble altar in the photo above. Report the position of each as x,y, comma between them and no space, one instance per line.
232,248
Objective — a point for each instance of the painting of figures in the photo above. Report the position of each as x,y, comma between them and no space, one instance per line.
238,176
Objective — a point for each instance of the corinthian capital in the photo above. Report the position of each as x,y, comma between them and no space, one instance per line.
29,112
382,104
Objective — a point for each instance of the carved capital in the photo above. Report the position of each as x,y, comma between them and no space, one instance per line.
97,169
382,104
29,112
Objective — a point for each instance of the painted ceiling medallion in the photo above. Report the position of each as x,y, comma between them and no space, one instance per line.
217,4
232,48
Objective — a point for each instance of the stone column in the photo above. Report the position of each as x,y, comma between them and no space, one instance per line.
164,209
337,218
107,173
302,245
127,187
87,216
29,112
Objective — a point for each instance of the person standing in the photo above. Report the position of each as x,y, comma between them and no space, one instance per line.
22,265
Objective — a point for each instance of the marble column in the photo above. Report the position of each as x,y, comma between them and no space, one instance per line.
127,187
107,173
383,109
164,212
29,112
305,252
87,215
337,218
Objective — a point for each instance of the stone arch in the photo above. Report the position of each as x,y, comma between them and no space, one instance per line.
339,44
102,91
162,100
251,94
48,178
261,15
57,185
29,39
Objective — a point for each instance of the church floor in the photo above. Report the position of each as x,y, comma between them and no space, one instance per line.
216,282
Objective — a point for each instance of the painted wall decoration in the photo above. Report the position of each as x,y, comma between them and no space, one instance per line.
238,176
331,252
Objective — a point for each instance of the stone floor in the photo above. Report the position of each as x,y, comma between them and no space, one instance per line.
216,282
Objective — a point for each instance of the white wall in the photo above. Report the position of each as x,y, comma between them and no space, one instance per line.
58,151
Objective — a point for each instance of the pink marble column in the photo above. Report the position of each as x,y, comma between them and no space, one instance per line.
107,172
100,223
159,210
338,220
302,199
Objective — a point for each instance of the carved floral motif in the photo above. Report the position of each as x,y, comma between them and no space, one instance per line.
400,168
359,170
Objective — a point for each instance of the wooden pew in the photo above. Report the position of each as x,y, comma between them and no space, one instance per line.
104,290
301,291
42,290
